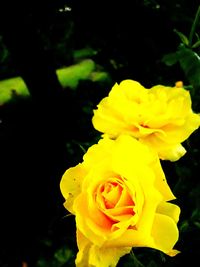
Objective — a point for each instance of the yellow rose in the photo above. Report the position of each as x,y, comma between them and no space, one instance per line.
119,196
160,117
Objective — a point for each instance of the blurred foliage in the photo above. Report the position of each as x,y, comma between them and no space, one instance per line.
93,45
188,58
69,78
61,258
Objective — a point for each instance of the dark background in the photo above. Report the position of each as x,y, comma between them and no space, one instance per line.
40,136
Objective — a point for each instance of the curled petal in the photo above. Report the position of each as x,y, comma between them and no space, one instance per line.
165,234
170,210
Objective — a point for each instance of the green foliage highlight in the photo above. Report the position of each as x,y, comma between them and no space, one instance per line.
194,26
183,37
84,53
68,77
12,87
189,62
185,55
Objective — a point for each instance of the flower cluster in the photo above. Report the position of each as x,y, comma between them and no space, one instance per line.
119,193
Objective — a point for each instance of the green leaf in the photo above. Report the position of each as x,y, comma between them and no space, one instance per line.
197,36
190,64
63,255
152,264
70,76
194,26
170,59
84,53
12,87
41,263
183,38
184,226
136,262
197,44
195,215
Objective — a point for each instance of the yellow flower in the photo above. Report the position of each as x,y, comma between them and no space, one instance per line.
120,198
160,117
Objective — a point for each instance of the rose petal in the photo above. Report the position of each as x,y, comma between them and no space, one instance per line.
165,233
160,180
170,210
172,152
91,221
90,255
70,185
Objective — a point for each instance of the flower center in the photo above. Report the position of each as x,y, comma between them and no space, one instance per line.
111,193
114,199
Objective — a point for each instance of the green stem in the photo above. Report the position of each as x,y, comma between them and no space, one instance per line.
136,262
194,25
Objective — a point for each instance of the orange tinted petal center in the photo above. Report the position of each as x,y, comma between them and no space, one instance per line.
114,200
